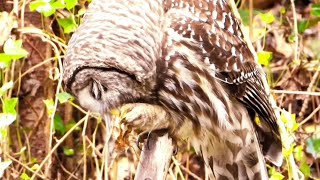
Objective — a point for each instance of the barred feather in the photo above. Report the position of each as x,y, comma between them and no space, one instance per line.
187,57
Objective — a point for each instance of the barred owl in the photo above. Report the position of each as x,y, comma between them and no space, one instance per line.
188,59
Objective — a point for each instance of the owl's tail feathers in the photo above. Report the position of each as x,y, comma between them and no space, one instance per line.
271,147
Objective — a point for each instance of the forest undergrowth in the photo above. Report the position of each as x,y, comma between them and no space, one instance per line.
45,134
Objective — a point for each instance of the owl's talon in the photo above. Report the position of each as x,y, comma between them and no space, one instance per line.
140,139
147,136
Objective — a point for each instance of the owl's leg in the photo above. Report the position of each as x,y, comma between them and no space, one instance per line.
144,118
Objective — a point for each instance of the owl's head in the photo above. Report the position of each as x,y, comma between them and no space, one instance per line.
113,58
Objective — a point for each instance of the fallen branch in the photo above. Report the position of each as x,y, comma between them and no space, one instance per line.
155,158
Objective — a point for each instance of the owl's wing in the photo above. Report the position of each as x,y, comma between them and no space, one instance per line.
209,28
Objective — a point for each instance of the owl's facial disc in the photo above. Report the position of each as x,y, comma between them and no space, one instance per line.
106,89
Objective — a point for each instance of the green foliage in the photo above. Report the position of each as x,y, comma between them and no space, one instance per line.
267,18
315,10
290,121
265,57
24,176
71,124
300,157
68,151
11,50
64,97
303,25
68,24
50,106
59,124
274,174
49,7
313,147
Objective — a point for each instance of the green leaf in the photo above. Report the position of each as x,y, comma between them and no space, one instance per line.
68,24
71,4
298,153
302,26
9,105
60,4
68,151
274,175
42,6
24,176
265,57
315,10
71,124
37,4
289,120
59,124
64,97
50,106
245,16
305,169
14,49
313,147
267,18
5,60
81,12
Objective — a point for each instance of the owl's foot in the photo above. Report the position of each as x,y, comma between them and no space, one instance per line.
143,118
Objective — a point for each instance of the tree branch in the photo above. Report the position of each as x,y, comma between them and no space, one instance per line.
155,158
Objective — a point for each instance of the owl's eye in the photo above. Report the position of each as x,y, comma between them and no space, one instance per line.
97,89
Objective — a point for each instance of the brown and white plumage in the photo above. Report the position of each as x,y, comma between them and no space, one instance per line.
188,58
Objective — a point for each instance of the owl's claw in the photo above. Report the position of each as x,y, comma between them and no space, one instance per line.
147,136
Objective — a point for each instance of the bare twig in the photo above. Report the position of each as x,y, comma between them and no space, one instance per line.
295,92
310,87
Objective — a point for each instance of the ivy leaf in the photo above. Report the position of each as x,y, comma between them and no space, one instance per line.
60,4
64,97
43,6
71,4
14,49
68,24
9,105
265,57
50,106
59,124
305,169
274,175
